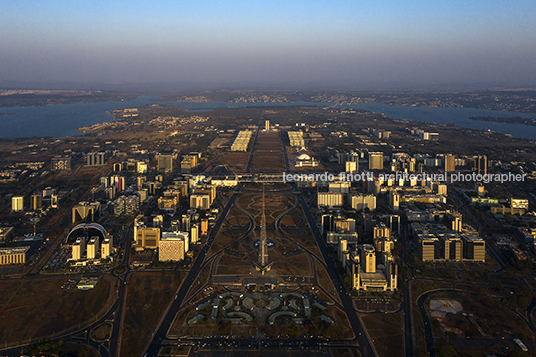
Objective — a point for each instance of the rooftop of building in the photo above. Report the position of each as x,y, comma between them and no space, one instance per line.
13,250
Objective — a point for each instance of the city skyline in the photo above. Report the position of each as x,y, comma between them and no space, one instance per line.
348,44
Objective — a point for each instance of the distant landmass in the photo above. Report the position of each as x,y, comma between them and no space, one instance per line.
514,120
521,101
44,97
518,100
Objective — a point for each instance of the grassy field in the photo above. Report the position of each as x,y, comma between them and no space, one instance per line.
386,333
102,332
39,307
148,296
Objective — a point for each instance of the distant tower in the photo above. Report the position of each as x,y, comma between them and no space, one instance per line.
263,265
267,125
450,163
263,253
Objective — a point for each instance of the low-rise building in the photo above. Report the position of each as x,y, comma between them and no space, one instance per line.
14,255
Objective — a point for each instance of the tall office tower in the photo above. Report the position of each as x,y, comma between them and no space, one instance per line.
158,221
140,180
36,202
107,247
267,125
394,200
105,182
54,201
474,248
142,167
480,164
17,203
78,248
368,258
147,237
351,166
194,234
165,162
450,163
394,223
93,248
175,226
86,211
375,160
185,221
95,159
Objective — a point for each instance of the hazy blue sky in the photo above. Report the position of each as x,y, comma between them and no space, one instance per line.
349,42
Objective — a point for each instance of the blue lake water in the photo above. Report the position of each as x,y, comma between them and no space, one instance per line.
63,120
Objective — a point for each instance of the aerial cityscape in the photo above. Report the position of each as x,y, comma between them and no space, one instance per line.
264,179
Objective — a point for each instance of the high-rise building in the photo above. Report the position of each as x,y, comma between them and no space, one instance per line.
480,164
194,234
327,223
204,227
394,200
158,221
173,246
93,247
140,181
375,160
54,201
168,204
450,163
165,162
147,237
142,167
49,191
474,248
330,199
394,223
95,159
36,202
340,186
17,203
78,249
110,192
185,222
200,201
360,202
107,247
105,182
430,247
368,257
351,166
344,225
89,211
267,125
453,221
143,194
453,247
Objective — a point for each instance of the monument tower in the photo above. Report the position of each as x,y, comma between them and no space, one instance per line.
263,265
